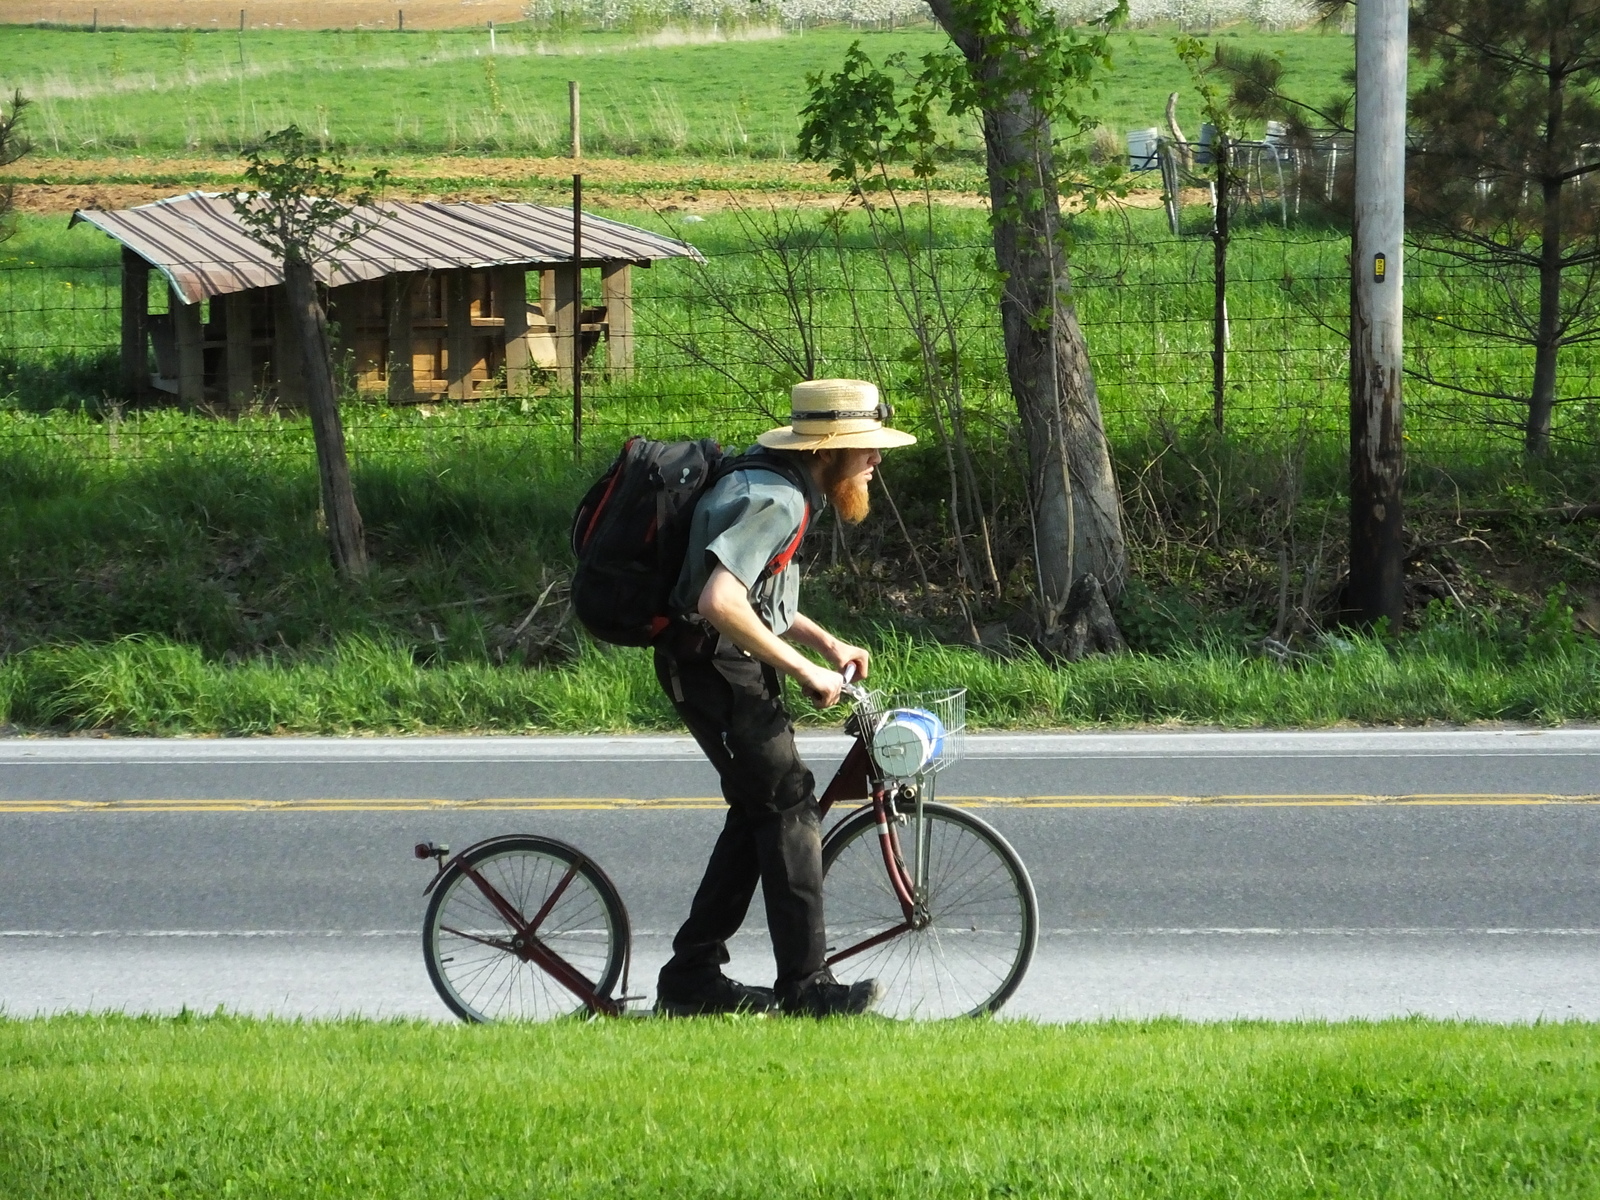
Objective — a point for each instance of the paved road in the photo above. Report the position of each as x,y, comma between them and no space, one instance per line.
1206,875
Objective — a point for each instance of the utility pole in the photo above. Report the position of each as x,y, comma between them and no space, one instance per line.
1376,586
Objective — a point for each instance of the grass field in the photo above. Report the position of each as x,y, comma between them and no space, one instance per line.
165,93
207,15
198,538
1143,297
208,1107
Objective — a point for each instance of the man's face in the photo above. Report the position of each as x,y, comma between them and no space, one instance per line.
845,476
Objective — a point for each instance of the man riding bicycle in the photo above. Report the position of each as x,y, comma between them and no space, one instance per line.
719,664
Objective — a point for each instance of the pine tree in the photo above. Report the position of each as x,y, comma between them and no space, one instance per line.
13,145
1507,133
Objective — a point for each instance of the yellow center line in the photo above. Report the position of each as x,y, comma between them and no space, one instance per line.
591,803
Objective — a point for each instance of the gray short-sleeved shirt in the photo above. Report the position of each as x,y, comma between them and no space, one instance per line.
743,522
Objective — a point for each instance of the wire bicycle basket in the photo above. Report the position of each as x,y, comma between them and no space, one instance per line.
912,734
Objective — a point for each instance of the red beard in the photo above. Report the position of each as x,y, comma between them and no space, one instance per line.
849,496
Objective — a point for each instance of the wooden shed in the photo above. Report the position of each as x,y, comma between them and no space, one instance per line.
434,300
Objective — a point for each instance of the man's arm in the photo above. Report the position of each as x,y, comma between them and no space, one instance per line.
725,602
841,654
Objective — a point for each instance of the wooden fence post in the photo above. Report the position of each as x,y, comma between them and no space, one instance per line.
238,371
616,280
577,314
397,315
189,337
573,114
135,324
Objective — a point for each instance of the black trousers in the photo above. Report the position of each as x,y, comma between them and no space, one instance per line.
733,705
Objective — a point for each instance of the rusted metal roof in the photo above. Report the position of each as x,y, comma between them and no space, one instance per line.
199,244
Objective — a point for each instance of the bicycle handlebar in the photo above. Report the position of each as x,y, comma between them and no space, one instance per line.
852,689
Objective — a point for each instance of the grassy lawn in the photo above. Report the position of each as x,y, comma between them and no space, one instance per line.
216,1107
174,94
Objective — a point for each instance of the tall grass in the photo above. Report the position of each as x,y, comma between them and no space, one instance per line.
152,685
156,686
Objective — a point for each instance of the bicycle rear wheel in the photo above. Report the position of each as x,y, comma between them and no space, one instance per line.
983,917
467,942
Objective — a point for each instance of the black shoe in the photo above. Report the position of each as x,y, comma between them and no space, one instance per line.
827,997
721,995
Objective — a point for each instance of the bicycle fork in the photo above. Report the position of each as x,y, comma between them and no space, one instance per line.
908,889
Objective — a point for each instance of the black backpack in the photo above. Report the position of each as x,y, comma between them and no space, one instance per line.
631,532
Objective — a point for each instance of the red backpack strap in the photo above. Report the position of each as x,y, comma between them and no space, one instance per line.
782,559
600,505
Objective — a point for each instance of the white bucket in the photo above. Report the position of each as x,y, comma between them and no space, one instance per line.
906,741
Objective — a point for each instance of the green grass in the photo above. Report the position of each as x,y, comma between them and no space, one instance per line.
154,685
382,93
1144,300
220,1106
164,572
197,538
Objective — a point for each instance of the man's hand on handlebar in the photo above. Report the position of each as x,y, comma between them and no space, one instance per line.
821,686
843,655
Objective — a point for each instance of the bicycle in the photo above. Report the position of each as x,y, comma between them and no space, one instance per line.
945,918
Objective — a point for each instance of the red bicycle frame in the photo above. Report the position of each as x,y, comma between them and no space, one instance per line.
525,942
855,780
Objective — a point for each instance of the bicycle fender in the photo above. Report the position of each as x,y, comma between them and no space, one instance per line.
490,841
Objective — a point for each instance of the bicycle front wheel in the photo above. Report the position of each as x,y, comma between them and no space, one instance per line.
982,918
469,941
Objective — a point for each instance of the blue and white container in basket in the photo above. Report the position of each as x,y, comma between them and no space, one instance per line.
906,741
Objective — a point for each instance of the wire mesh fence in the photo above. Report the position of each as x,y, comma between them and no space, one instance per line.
716,346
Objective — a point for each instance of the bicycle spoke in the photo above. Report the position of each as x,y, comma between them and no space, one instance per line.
469,948
980,928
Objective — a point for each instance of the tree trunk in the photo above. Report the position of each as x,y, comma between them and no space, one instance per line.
346,543
1072,487
1541,405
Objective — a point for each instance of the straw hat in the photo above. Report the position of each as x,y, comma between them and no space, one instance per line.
829,414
